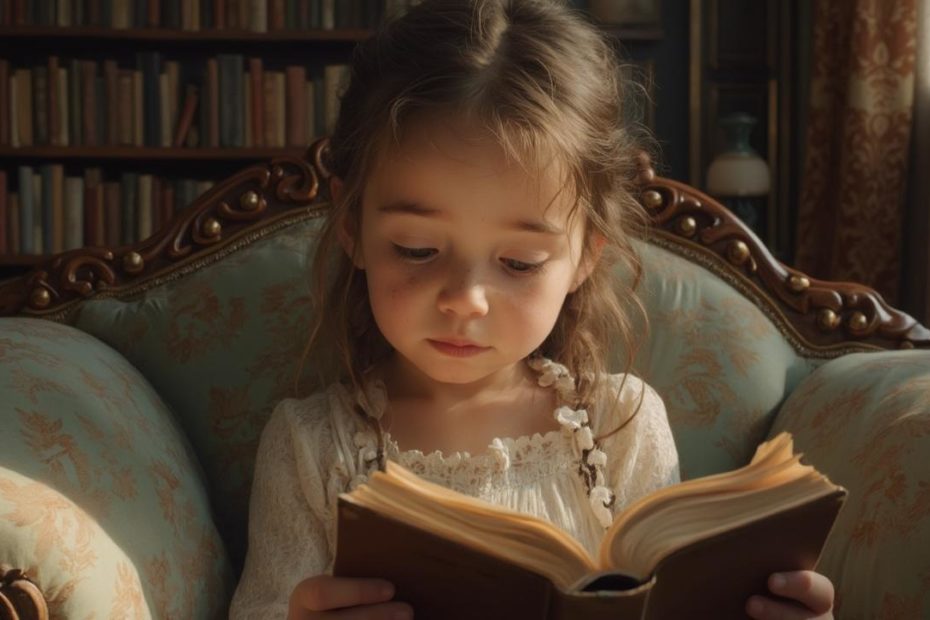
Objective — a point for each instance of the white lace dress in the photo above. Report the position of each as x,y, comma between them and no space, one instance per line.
313,449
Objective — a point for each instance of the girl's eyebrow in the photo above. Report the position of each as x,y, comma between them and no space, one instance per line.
412,208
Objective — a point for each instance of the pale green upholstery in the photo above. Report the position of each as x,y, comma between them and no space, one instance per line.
129,435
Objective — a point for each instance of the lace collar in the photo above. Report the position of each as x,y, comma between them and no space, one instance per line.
574,422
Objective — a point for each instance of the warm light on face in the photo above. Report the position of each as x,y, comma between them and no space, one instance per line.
468,258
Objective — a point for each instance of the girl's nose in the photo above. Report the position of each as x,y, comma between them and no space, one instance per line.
464,297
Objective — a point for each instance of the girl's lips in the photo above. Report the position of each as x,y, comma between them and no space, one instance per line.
454,349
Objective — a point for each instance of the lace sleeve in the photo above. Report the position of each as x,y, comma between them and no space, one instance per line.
288,513
642,457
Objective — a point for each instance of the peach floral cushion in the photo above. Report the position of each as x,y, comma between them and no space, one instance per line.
864,420
102,501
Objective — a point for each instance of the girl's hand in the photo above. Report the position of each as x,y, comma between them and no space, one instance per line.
345,598
812,591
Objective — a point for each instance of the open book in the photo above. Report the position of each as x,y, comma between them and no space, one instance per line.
699,547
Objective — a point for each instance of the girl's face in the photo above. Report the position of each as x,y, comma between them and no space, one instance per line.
467,262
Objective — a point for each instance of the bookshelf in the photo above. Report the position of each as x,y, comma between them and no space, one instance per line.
116,114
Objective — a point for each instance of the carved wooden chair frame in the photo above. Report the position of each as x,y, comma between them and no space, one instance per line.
819,318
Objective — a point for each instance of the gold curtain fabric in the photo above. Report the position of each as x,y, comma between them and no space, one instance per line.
858,142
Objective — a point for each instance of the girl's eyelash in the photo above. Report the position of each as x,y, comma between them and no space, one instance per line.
414,254
421,255
521,267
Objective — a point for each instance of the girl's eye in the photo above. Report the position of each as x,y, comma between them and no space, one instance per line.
417,255
521,267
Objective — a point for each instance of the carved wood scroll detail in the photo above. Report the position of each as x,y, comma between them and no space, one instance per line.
251,198
824,316
819,317
20,598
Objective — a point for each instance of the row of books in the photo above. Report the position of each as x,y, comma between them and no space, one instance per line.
50,212
224,101
196,15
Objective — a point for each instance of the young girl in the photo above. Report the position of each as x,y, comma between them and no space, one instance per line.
480,203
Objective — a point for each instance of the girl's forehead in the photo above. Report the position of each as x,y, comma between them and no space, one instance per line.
437,155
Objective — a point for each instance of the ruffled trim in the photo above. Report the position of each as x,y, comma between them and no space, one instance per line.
575,422
504,452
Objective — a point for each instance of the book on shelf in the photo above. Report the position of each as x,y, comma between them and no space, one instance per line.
258,16
695,549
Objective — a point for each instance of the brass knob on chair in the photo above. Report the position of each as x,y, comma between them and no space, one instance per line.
212,227
798,284
652,199
827,319
40,298
687,226
858,321
250,201
133,262
737,252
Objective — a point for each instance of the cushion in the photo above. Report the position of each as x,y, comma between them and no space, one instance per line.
102,500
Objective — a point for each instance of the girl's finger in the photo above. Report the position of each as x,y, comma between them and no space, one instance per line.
811,589
325,592
762,608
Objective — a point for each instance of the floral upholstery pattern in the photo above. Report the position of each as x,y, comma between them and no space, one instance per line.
201,359
864,419
721,366
102,500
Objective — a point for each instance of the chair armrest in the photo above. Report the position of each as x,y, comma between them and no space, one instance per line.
864,420
102,503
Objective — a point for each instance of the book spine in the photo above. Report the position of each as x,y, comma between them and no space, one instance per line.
40,101
138,108
89,103
75,97
114,219
256,78
74,213
64,109
58,208
4,215
111,86
15,227
213,110
125,124
145,206
26,210
44,204
247,110
54,114
270,110
187,116
5,106
150,65
296,106
128,186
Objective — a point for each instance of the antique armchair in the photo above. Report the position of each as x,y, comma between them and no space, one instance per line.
134,383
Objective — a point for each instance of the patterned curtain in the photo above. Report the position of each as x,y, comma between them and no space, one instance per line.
857,145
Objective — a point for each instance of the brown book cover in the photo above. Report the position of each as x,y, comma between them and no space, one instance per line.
167,199
40,102
15,245
24,125
270,108
5,137
257,81
296,105
4,216
157,210
213,113
111,89
124,105
687,584
673,572
219,14
113,215
89,105
64,138
94,219
191,97
232,14
54,114
58,209
153,19
276,14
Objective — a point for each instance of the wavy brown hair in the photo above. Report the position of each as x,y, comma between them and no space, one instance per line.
543,81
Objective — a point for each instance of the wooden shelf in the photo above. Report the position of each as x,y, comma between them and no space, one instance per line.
147,153
23,260
162,35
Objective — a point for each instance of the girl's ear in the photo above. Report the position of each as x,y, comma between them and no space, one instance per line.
589,261
343,232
